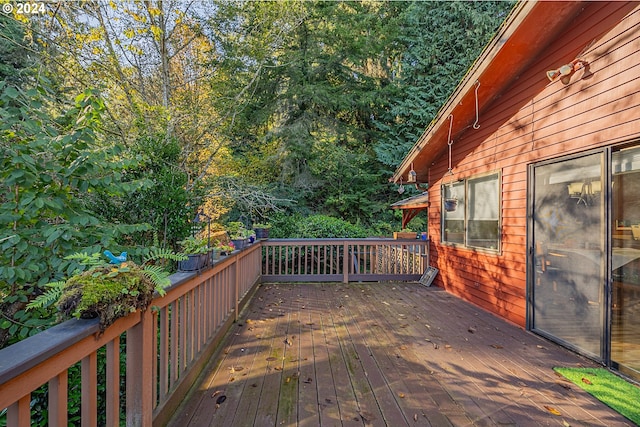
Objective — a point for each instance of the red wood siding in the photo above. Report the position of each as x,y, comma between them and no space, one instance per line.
535,120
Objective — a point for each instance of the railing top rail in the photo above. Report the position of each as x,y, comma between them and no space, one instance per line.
28,353
25,354
341,240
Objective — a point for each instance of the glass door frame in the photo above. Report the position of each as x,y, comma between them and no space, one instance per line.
605,316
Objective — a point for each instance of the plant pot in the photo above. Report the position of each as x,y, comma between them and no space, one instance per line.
404,235
450,205
194,262
238,243
262,233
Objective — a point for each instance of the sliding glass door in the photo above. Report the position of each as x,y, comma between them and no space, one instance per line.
625,261
568,256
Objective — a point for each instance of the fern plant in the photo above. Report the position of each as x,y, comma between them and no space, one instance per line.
108,291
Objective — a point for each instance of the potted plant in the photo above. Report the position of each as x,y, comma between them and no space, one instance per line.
197,252
404,234
262,230
237,233
450,204
226,249
108,288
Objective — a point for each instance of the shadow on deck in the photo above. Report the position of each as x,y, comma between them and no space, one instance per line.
383,354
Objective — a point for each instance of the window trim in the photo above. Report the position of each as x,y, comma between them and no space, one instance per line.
466,207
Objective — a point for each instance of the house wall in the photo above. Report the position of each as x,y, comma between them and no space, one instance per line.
535,120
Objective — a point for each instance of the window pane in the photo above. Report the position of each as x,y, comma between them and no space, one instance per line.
484,212
453,205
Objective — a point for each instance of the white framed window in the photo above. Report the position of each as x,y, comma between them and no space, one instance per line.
471,212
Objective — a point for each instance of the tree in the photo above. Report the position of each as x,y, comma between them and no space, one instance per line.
49,164
308,126
439,43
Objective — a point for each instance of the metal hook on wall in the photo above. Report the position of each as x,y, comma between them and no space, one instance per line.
476,125
450,141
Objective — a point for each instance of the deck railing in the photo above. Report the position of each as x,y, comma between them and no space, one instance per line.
163,350
311,260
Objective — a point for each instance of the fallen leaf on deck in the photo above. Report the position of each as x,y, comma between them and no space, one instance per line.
271,359
366,416
496,346
587,381
217,392
277,368
386,303
471,330
554,411
308,380
401,395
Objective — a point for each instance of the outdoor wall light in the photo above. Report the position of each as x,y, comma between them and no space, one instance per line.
565,71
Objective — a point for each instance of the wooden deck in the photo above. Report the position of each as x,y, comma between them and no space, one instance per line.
384,354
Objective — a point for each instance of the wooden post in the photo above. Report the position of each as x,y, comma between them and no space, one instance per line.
140,356
58,386
19,414
345,263
113,382
237,285
89,382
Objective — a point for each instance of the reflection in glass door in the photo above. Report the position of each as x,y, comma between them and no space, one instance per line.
568,252
625,261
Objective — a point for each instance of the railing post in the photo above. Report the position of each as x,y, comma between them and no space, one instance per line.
345,262
19,414
140,354
237,286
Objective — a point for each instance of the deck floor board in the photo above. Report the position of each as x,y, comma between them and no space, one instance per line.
384,354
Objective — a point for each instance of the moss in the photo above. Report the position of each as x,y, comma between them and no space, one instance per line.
108,293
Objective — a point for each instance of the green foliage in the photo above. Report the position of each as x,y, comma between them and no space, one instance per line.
315,226
237,230
318,226
50,164
194,245
313,140
17,62
438,43
106,290
163,201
